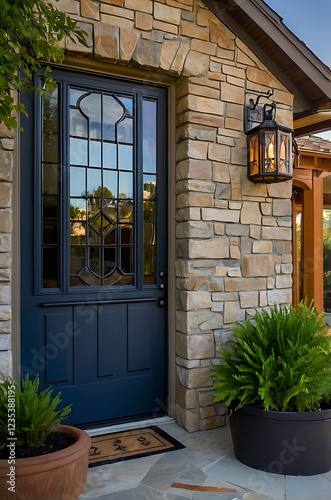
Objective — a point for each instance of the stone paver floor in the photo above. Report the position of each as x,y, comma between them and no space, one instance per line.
207,463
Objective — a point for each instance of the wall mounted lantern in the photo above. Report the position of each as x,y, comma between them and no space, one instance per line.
269,145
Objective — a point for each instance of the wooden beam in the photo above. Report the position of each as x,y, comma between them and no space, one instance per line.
313,241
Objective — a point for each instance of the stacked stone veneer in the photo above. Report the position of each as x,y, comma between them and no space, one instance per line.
6,177
233,238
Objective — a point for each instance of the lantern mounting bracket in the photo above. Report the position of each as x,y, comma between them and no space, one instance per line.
255,114
267,95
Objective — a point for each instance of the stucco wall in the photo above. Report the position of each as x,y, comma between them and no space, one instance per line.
233,238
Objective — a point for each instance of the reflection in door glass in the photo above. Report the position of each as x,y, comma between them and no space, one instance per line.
78,151
50,175
77,181
102,188
50,178
125,157
149,188
149,136
94,182
78,124
95,154
50,126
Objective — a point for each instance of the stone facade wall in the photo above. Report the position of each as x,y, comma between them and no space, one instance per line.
233,238
6,178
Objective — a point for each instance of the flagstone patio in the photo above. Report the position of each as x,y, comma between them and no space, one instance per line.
205,469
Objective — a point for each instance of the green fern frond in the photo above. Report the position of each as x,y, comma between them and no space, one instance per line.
35,413
281,361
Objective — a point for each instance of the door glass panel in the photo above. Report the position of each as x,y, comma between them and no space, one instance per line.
125,131
125,157
50,126
125,212
110,208
75,94
109,155
50,178
110,260
101,186
110,238
113,111
126,259
50,231
77,259
126,234
149,188
50,267
126,185
78,124
149,136
108,186
78,151
149,234
149,265
94,182
77,181
95,260
95,154
149,211
77,233
127,103
77,209
90,105
50,205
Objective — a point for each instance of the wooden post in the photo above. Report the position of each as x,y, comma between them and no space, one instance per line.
313,241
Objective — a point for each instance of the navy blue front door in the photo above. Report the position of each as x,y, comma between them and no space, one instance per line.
93,245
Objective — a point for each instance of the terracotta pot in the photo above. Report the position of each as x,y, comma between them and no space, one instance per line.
56,476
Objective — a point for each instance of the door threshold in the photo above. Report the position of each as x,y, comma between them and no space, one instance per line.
97,431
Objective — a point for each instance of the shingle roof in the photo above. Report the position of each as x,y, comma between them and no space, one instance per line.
314,144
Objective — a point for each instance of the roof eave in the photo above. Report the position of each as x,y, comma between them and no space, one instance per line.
297,53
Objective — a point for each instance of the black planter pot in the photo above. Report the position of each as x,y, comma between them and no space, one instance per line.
289,443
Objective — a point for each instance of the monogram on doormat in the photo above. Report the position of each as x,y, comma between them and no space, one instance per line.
125,445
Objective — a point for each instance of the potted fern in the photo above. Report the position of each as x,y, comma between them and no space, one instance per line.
39,458
276,381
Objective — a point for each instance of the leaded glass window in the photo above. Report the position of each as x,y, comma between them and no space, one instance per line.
102,180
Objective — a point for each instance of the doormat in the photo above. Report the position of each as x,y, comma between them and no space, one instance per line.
126,445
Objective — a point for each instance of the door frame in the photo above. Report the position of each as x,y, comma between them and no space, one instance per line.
104,69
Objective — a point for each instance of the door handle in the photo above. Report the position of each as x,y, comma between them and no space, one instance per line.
161,302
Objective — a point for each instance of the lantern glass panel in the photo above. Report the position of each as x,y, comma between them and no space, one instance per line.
284,153
254,154
269,152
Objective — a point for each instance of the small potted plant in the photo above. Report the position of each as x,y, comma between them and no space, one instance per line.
276,381
38,457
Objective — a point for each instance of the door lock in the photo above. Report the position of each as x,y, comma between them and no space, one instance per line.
161,303
162,286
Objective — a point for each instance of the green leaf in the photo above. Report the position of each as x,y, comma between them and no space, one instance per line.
281,361
30,31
